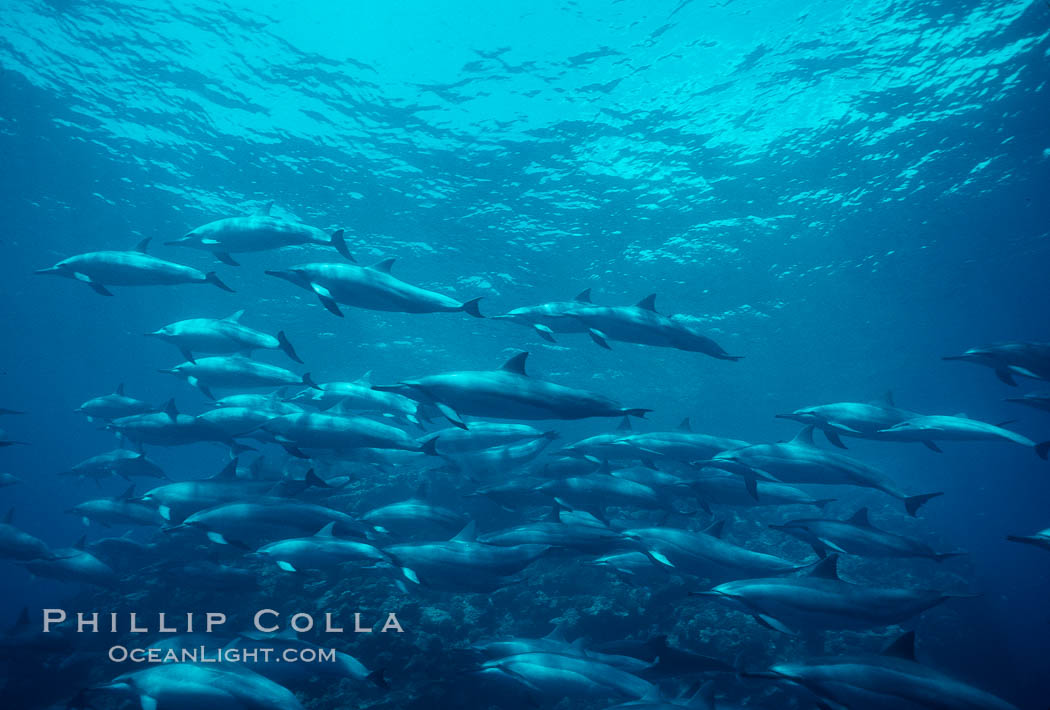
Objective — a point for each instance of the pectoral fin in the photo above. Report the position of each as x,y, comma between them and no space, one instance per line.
598,337
450,414
771,623
225,258
326,299
544,332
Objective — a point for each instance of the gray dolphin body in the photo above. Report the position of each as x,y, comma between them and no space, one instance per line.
641,324
1010,360
371,287
18,545
246,525
482,435
258,232
603,447
891,680
550,318
73,564
603,489
821,600
235,371
121,510
99,269
574,676
169,428
722,488
113,406
175,686
221,336
705,553
236,421
119,462
320,430
856,419
462,563
800,461
507,393
683,445
319,552
358,396
857,536
1037,400
415,518
9,479
1040,539
946,428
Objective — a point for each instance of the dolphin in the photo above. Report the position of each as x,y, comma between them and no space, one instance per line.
235,371
722,488
416,517
272,402
256,232
1011,359
705,553
602,489
682,445
603,447
483,435
856,419
236,421
666,661
18,545
462,563
496,460
550,318
945,428
320,552
507,393
247,524
9,479
371,287
193,685
73,564
1038,400
821,600
559,676
556,643
1040,539
170,428
121,510
221,336
337,431
358,396
99,269
113,406
891,680
118,462
572,534
178,500
857,536
4,411
641,324
800,461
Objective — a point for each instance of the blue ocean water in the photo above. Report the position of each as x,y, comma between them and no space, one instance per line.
842,193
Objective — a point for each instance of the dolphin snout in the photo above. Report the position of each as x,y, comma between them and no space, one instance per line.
48,270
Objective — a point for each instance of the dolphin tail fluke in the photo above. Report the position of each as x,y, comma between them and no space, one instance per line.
471,307
339,243
1043,450
636,412
913,503
378,679
213,278
286,346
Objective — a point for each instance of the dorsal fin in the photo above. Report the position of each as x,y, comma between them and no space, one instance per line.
555,516
263,210
422,490
579,646
804,437
327,530
81,543
583,296
887,399
716,529
10,517
128,494
903,647
385,265
143,246
648,303
366,379
557,633
605,467
229,471
468,534
170,409
685,425
827,568
625,425
235,317
860,518
516,364
120,389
